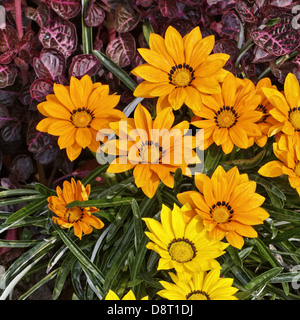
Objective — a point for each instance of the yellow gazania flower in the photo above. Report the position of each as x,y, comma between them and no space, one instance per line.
80,218
229,118
77,112
228,205
128,296
286,110
183,246
198,286
179,70
288,164
152,157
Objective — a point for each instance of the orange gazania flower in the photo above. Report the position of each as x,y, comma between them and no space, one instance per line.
153,148
229,118
179,70
76,114
286,110
80,218
228,205
288,163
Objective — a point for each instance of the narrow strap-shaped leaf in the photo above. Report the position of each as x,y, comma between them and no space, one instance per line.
27,210
100,203
258,282
89,268
116,70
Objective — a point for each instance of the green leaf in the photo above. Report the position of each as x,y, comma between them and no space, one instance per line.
90,269
246,164
116,70
44,190
281,214
6,202
27,210
265,253
63,272
46,279
258,282
100,203
147,29
17,192
18,243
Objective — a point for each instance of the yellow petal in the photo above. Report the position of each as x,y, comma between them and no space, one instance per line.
174,45
291,90
271,169
190,40
63,95
157,44
155,59
83,137
150,73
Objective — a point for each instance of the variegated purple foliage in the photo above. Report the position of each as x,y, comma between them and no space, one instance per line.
279,39
253,32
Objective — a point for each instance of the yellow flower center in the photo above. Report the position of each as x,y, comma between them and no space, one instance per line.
221,212
181,75
73,214
182,250
297,169
81,118
226,117
150,153
294,115
197,295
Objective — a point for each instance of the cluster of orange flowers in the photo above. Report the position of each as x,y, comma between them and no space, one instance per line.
232,111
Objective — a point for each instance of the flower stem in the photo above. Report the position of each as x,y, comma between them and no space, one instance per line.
19,23
87,32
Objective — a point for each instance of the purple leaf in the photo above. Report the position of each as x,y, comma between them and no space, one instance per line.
21,168
229,47
67,9
84,64
48,155
37,141
8,75
261,56
8,56
245,11
95,15
50,64
113,4
271,12
219,7
279,39
144,3
126,18
59,34
22,60
11,131
8,38
191,2
4,116
168,8
40,88
40,15
122,49
230,24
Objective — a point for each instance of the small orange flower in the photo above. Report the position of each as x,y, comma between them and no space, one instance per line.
80,218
